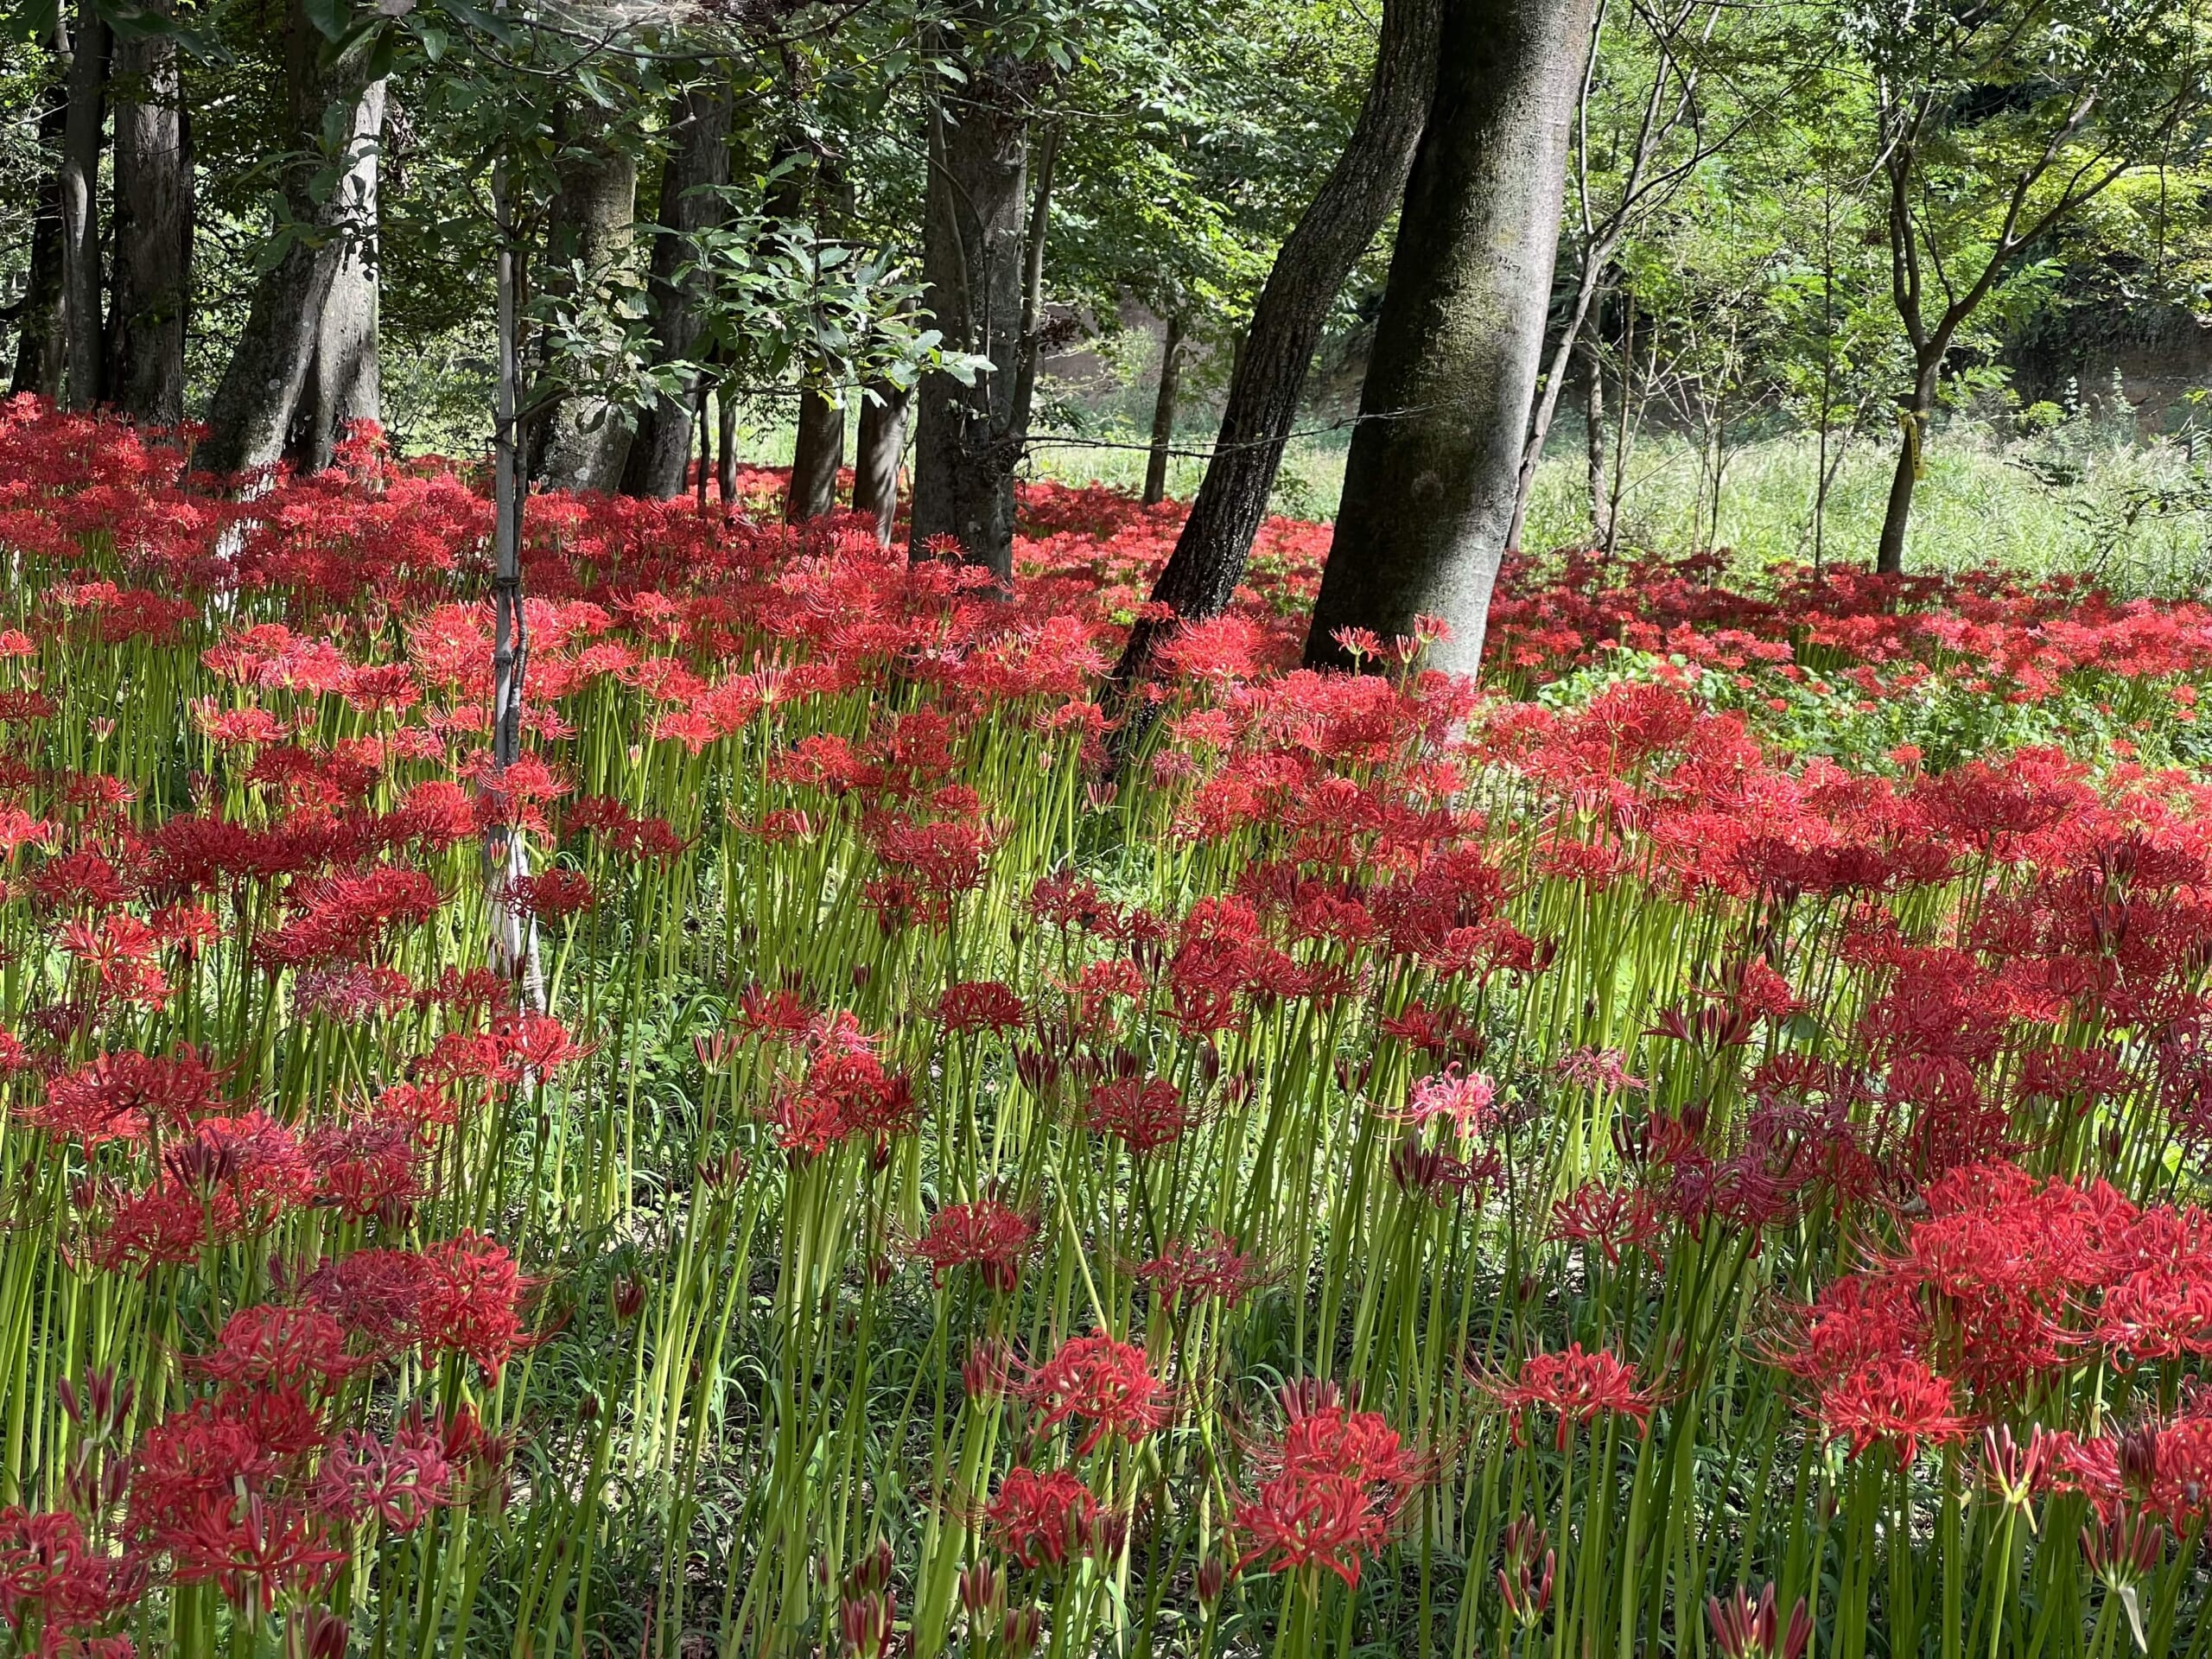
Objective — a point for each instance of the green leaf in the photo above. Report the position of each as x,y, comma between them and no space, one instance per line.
329,18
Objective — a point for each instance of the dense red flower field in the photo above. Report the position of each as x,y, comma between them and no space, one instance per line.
1695,1146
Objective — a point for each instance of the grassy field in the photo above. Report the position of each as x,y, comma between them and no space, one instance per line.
2078,496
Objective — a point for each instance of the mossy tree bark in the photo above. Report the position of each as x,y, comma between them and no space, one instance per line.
1433,470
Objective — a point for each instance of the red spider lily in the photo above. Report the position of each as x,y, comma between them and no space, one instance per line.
1899,1402
552,894
398,1483
254,1553
532,1045
845,1095
471,1301
367,1167
1341,1479
986,1233
283,1347
1466,1101
1616,1219
1524,1583
2122,1549
981,1004
1107,1383
1144,1114
1579,1385
1597,1067
2016,1472
123,1094
1743,1629
1042,1520
1184,1273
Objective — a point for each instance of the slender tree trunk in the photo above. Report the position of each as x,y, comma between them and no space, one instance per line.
251,413
1431,478
1912,423
725,450
816,455
346,383
697,166
1277,351
152,297
968,438
1546,405
881,445
579,443
41,347
81,143
1163,414
1594,442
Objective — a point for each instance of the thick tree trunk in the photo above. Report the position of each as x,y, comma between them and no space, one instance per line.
968,438
1434,465
42,341
81,143
153,232
251,413
697,166
579,443
880,447
816,457
1269,377
347,384
1163,414
1593,443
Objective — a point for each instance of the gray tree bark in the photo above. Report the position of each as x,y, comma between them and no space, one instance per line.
1593,443
82,141
251,413
1433,469
579,443
346,383
879,447
41,315
698,163
968,438
1269,376
1163,414
152,295
817,453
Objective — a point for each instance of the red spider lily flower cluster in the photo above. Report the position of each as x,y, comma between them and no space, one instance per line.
1336,1485
1578,1386
1106,1384
986,1234
1923,1030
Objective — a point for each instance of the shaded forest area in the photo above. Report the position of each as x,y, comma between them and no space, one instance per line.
619,238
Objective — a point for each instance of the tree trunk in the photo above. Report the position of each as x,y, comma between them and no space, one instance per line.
346,383
1269,377
1912,421
816,457
1163,414
697,166
41,315
251,413
1593,443
726,449
1433,472
578,442
153,232
968,438
81,143
881,445
1032,346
